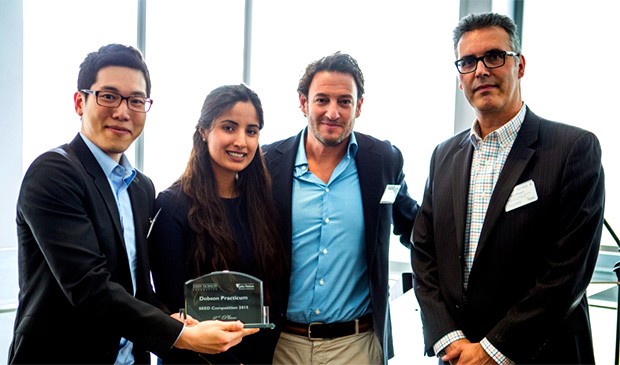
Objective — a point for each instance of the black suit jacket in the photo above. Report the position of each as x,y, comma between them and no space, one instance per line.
75,297
526,290
378,164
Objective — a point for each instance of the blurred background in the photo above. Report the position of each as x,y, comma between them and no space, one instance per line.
403,47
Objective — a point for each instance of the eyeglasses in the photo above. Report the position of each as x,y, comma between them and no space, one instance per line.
491,59
110,99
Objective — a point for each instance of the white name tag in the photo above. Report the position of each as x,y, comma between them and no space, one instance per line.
522,194
390,193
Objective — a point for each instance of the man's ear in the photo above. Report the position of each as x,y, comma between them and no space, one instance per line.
78,103
303,104
358,109
521,66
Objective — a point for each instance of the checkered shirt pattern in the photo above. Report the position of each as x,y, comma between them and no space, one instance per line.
447,339
489,157
497,356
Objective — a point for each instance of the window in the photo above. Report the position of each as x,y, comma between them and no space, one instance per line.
192,47
54,48
585,93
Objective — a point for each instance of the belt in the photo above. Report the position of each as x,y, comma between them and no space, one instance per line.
320,331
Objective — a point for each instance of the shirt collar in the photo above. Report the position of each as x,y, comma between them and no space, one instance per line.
505,135
109,165
302,160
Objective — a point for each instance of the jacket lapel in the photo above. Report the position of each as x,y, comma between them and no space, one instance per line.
461,165
100,180
139,197
281,164
369,166
517,160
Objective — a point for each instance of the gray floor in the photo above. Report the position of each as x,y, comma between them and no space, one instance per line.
8,298
408,342
6,334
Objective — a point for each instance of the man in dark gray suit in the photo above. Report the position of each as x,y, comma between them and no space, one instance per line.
338,193
507,237
82,219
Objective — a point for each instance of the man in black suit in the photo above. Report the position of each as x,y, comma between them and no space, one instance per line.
82,219
338,193
508,234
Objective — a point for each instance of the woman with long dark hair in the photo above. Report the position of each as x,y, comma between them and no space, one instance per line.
219,215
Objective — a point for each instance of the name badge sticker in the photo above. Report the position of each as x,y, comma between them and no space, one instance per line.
522,194
390,193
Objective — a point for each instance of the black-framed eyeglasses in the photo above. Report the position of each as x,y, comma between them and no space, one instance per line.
491,59
110,99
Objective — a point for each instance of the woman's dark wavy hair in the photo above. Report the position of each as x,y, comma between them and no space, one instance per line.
214,248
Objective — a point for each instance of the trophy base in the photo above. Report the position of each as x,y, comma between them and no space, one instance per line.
259,325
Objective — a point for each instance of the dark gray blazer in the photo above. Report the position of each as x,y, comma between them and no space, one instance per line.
75,298
378,164
526,290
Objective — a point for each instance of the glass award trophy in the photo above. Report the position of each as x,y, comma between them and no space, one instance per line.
227,296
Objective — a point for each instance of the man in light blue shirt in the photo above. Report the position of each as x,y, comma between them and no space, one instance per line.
326,215
120,174
338,193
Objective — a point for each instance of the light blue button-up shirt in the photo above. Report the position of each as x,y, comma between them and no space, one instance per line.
120,175
329,274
